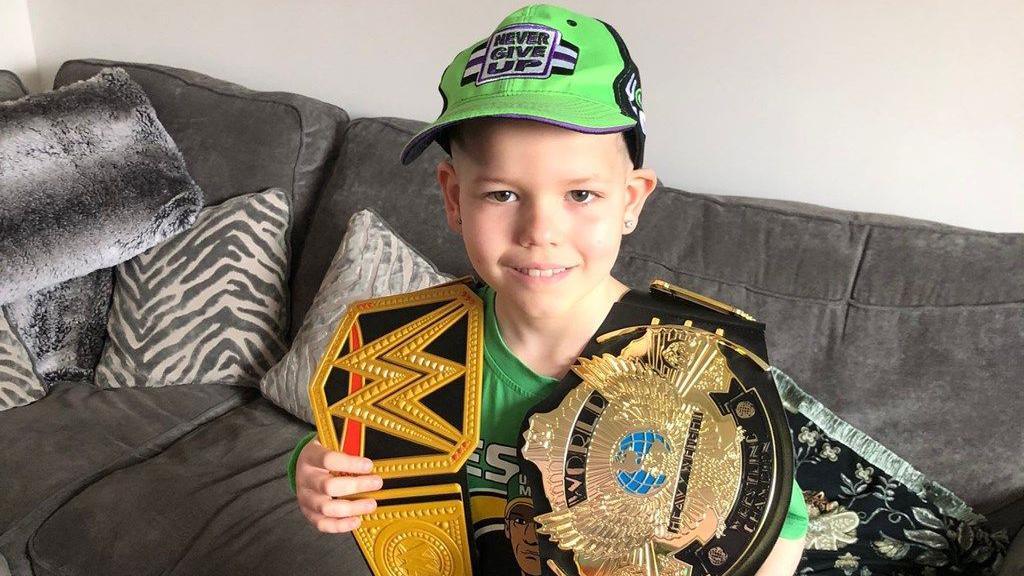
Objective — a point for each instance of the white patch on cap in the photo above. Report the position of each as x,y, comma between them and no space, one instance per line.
634,93
519,51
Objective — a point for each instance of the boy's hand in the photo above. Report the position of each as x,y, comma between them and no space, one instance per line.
323,478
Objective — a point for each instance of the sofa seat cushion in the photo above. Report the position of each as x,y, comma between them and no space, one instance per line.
215,502
78,434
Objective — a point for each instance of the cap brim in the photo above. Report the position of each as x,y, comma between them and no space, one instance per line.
565,110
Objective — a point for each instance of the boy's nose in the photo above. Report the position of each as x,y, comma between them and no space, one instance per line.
540,223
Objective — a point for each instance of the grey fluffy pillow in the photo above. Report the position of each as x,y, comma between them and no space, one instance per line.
206,307
371,261
89,179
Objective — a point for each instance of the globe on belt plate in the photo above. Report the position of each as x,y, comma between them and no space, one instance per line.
640,462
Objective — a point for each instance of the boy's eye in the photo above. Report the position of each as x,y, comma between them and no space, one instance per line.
502,195
582,196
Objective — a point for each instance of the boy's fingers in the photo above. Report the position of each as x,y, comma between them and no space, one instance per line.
341,462
313,453
339,486
334,525
310,502
346,508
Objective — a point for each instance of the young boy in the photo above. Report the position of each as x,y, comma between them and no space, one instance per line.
545,132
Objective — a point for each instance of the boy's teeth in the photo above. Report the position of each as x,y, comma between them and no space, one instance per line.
538,272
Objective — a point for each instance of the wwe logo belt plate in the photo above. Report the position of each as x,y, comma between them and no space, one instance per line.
400,384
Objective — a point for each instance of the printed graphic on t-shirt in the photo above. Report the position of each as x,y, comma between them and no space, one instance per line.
502,508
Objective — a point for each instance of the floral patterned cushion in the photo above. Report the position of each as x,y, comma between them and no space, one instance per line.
870,512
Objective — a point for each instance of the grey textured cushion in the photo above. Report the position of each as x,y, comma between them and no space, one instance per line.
933,313
207,306
19,383
90,178
77,435
216,502
372,261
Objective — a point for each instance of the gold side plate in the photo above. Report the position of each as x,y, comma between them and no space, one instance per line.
418,538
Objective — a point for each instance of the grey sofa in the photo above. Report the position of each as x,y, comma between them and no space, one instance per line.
910,330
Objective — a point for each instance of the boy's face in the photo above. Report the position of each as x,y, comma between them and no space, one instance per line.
543,210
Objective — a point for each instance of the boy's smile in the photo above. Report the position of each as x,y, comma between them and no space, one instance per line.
543,210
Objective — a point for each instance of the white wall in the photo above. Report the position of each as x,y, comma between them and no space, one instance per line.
17,52
910,107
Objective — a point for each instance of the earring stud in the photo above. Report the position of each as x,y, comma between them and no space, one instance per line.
629,222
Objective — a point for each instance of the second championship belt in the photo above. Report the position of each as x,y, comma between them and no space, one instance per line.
400,384
666,450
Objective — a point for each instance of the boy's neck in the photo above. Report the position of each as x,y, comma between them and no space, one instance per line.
549,346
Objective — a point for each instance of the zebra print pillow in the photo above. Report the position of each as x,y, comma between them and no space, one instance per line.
372,261
19,384
207,306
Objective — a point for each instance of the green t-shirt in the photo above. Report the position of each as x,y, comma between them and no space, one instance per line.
500,500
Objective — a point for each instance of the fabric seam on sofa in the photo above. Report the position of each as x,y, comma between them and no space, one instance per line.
629,253
862,250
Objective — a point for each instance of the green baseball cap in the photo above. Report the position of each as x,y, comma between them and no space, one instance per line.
548,64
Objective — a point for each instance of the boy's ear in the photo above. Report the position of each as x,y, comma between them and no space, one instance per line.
448,180
640,182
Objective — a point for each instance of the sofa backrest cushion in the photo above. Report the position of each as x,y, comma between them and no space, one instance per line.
11,87
365,177
905,328
235,140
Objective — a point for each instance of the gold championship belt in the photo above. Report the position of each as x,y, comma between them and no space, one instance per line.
666,450
400,384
